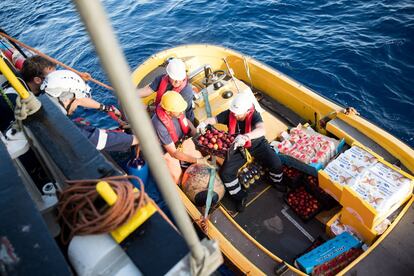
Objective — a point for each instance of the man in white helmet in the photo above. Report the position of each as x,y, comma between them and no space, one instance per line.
244,120
68,91
175,80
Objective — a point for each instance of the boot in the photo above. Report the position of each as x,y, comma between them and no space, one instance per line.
241,202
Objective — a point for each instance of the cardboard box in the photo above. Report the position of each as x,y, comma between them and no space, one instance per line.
363,211
329,186
344,170
363,232
327,251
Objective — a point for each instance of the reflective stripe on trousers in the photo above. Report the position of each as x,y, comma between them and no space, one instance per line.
233,187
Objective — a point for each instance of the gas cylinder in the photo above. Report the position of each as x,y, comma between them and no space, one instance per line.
138,167
18,60
15,58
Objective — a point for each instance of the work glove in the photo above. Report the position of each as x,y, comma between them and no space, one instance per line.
240,141
110,108
201,128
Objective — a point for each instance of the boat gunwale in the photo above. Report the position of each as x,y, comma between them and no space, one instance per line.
388,142
392,144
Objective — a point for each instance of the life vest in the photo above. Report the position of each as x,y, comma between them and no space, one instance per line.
162,88
247,125
169,124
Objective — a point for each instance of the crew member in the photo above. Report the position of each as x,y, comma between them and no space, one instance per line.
68,91
172,126
242,118
176,80
34,70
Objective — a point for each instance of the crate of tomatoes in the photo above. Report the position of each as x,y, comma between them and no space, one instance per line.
214,142
312,186
292,176
305,205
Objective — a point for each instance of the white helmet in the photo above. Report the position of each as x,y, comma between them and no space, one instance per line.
241,103
176,69
62,82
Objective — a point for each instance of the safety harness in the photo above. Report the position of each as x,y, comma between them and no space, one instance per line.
162,88
169,124
247,125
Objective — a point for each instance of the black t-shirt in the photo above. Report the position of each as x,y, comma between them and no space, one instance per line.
223,118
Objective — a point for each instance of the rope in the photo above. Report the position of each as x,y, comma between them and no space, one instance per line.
6,99
25,107
203,223
82,213
84,75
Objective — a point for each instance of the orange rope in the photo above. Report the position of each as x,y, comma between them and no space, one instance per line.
82,213
84,75
203,223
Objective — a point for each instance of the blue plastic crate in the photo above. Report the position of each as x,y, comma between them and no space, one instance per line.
327,251
311,168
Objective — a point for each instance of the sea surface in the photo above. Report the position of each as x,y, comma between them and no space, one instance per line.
357,53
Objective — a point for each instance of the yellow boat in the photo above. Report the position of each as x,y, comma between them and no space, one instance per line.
265,239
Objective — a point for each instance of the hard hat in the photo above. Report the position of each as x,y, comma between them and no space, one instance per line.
173,102
241,103
176,69
61,82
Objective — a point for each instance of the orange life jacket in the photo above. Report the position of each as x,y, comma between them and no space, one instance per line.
247,125
169,124
162,88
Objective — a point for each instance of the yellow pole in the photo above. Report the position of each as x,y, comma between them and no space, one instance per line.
106,192
8,73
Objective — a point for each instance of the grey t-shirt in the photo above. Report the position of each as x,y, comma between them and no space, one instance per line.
162,131
186,93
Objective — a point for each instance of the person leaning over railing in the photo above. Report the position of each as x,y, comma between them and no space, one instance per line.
68,91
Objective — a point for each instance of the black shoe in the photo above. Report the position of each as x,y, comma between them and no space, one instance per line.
281,187
241,204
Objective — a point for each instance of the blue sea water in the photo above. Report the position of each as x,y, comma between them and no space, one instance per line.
358,53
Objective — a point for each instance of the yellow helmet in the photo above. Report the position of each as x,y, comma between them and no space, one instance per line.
173,102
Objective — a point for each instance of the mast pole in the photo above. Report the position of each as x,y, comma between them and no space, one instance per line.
115,65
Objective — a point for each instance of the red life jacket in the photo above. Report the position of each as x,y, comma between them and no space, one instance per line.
169,124
247,124
162,88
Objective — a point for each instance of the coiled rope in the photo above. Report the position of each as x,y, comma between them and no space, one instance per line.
84,75
82,212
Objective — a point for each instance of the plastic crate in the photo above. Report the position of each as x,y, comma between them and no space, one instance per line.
292,177
311,168
205,150
312,185
290,199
